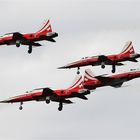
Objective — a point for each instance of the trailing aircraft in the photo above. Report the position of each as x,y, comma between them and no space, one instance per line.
127,54
92,82
47,94
30,39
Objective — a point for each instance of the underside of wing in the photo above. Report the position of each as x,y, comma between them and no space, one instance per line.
119,64
103,78
103,58
117,85
28,42
23,40
107,61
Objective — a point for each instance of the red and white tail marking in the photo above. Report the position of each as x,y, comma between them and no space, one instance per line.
78,82
89,75
128,48
46,27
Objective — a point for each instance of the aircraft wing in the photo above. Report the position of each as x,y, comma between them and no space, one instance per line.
113,82
117,85
24,41
27,42
17,36
107,61
50,39
103,58
48,91
103,78
36,94
119,64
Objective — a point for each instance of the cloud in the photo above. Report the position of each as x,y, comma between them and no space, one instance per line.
85,28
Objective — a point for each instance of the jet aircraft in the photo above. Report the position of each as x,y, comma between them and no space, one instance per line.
127,54
46,94
30,39
92,82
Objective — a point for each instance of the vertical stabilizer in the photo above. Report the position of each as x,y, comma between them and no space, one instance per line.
77,82
128,48
89,75
46,28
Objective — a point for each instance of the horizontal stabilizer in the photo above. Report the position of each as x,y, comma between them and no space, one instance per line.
36,44
119,64
133,60
67,101
82,97
50,39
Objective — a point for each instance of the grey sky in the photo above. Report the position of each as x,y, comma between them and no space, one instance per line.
85,27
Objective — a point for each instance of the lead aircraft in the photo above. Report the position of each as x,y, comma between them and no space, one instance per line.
92,82
127,54
46,94
30,39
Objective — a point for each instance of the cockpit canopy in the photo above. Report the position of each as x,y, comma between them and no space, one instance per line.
35,90
88,57
7,35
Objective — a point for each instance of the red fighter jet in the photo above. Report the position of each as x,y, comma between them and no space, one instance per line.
30,39
92,82
47,94
128,54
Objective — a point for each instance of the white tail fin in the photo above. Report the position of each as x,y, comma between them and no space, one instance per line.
46,28
128,48
89,75
77,82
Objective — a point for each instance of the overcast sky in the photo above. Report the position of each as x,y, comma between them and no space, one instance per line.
85,28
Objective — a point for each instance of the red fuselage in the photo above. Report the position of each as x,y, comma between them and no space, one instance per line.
114,80
94,61
31,37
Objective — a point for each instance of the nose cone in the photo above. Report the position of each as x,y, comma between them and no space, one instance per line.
63,67
67,66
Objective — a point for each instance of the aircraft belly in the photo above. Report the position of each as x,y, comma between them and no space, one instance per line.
40,99
10,42
118,81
